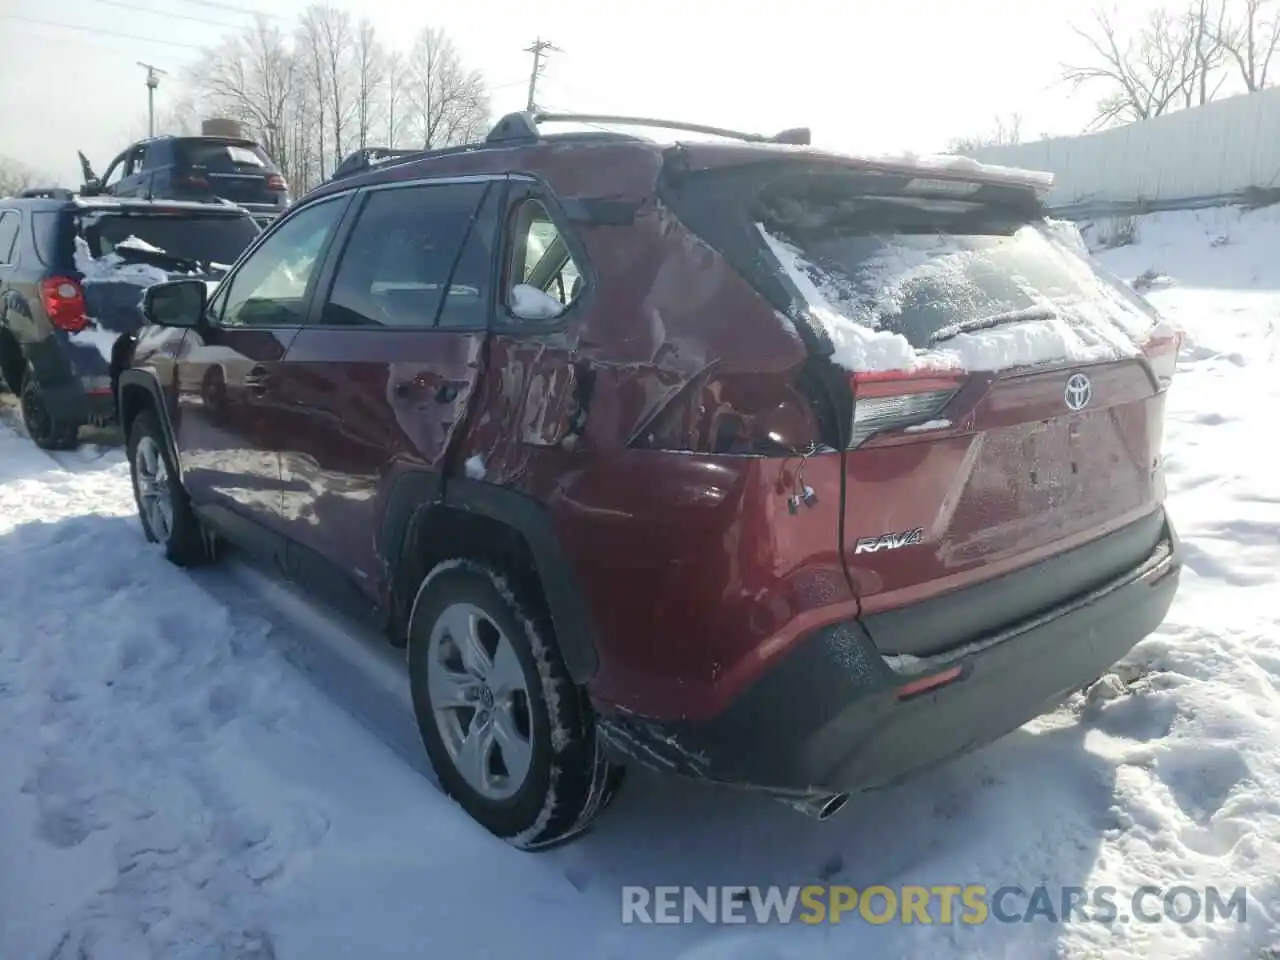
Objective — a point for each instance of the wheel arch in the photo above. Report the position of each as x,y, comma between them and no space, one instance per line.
139,390
426,519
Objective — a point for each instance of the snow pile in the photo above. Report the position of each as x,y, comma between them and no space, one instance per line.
137,243
113,268
183,775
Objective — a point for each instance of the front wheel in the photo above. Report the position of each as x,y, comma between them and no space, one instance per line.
510,736
163,507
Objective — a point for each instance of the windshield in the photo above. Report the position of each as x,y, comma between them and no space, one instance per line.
925,269
217,239
225,157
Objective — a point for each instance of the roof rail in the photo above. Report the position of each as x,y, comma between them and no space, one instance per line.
524,126
47,193
361,160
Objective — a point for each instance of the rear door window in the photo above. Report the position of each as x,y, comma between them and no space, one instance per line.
10,223
410,245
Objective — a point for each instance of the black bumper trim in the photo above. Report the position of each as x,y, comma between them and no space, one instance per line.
828,717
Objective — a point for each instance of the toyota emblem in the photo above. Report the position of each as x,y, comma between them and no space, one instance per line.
1079,391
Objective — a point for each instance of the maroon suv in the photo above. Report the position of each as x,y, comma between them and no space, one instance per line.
745,461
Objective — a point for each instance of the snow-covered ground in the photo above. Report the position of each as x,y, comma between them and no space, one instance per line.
203,766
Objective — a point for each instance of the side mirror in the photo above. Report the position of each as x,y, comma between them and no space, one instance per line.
176,303
91,188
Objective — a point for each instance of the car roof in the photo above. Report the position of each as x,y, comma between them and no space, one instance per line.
517,144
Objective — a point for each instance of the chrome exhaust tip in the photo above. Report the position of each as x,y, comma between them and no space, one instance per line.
819,806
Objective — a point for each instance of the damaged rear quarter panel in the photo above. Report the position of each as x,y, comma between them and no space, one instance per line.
663,309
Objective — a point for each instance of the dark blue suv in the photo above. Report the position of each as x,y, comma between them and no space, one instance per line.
72,273
204,168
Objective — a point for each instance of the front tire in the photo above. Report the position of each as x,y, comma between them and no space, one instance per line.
510,736
163,507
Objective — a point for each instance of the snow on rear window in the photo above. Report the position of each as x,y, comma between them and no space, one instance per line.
887,299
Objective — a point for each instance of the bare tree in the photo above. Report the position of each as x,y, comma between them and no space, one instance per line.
252,77
177,118
397,74
16,177
1205,56
1170,61
337,47
446,103
1007,131
1249,40
310,51
370,75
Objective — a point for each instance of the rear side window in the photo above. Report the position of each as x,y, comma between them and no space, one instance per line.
223,156
217,239
44,235
10,224
542,277
410,245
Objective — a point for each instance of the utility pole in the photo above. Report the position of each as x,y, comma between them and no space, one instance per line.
539,47
153,81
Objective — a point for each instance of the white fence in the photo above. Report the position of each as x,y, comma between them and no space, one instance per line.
1218,150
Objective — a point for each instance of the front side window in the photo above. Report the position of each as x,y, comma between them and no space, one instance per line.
270,288
409,246
542,277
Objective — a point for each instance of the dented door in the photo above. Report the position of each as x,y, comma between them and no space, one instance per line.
381,379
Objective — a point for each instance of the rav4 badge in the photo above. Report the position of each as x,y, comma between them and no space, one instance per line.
889,541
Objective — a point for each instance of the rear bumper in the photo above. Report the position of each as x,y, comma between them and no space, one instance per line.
829,716
71,403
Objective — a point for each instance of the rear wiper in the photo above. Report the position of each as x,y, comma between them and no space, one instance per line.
995,320
160,259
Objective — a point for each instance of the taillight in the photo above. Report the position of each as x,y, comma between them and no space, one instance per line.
277,182
892,400
64,303
757,414
1162,355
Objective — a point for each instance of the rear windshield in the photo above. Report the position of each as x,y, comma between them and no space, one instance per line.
927,269
225,157
209,239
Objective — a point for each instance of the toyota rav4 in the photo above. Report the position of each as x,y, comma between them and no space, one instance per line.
750,462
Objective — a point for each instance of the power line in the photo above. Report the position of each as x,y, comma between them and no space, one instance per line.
166,13
246,11
99,32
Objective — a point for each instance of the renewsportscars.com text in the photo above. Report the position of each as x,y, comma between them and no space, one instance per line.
971,904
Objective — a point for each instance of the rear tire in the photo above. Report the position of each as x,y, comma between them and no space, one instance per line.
510,736
163,506
46,431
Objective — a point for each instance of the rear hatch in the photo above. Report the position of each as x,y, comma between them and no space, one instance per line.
237,170
1002,399
117,253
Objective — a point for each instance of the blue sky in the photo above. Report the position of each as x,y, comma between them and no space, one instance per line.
876,77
